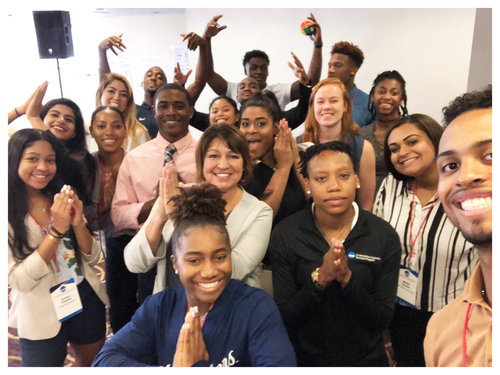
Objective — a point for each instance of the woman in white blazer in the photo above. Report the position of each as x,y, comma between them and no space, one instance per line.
50,245
222,159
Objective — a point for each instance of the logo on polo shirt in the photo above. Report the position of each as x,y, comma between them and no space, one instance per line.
362,257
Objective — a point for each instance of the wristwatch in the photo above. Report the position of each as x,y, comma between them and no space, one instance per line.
315,279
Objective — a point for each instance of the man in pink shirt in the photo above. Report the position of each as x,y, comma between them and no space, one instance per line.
136,191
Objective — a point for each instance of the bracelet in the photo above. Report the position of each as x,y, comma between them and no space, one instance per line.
53,238
55,235
17,113
52,227
318,45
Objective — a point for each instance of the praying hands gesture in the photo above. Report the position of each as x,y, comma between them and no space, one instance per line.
190,345
334,267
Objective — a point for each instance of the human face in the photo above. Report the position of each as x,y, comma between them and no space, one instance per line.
221,112
257,127
222,166
257,68
203,262
332,182
329,106
387,97
412,151
172,112
464,163
340,66
153,78
247,89
115,95
108,130
37,166
61,122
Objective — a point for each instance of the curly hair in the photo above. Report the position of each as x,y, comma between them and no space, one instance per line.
351,50
199,205
390,74
467,102
255,53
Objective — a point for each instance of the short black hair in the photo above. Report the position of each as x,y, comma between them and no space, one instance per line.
351,50
264,99
467,102
255,53
336,146
173,86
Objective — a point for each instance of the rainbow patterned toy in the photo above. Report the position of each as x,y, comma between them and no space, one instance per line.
305,28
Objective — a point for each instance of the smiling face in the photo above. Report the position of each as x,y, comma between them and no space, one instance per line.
203,261
332,182
115,95
38,165
222,112
172,113
464,162
108,130
387,97
258,128
61,122
247,89
412,152
329,106
341,66
222,167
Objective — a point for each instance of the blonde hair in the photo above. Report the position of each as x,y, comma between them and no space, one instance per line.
348,126
136,132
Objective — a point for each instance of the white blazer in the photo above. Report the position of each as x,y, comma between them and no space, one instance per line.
249,227
32,311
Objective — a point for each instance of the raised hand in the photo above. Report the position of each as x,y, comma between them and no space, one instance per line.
194,40
168,187
316,30
34,106
190,345
61,209
342,271
283,153
299,71
179,77
113,42
213,27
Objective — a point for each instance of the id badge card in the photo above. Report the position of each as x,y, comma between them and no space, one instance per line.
66,300
407,286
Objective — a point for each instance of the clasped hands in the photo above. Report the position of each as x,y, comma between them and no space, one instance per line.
335,267
190,345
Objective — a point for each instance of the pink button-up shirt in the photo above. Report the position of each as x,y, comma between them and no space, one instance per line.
140,173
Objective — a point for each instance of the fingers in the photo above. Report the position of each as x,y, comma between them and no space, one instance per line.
297,61
188,73
216,18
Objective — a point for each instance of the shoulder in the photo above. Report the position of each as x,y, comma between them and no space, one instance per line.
246,297
250,202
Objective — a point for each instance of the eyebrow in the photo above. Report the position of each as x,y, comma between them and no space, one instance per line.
479,144
405,138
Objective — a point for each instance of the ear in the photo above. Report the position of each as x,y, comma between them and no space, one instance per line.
238,116
91,128
246,69
191,112
174,263
356,180
307,186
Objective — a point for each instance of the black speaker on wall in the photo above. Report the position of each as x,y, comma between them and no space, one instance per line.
53,34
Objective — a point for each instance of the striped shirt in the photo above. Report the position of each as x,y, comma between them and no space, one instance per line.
441,256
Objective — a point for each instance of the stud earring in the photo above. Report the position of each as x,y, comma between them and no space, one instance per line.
176,272
357,187
308,192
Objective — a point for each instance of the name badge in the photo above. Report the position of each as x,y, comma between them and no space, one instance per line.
407,287
66,300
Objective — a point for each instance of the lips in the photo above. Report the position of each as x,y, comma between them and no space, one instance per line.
334,201
210,287
409,160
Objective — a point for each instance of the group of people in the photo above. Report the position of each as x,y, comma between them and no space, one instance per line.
247,246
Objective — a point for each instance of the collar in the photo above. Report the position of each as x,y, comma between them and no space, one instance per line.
310,224
180,145
472,290
353,91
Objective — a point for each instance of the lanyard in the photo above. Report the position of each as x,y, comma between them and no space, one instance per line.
414,239
464,339
355,94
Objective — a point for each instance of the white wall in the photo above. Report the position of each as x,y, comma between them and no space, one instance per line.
430,47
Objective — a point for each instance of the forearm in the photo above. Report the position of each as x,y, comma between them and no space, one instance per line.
153,232
200,77
84,238
273,194
103,65
145,210
315,65
13,114
214,80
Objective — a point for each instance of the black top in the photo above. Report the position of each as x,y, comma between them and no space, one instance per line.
144,114
336,327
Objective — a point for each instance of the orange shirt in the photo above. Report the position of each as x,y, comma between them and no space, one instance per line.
443,344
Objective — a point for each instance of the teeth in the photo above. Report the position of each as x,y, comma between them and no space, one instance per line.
222,174
208,285
476,204
408,160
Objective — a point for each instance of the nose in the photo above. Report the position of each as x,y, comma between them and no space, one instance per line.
42,165
208,270
333,184
223,162
472,172
403,150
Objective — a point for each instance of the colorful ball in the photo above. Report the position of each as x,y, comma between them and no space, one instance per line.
305,27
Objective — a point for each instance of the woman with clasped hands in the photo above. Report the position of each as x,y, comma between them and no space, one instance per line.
210,319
